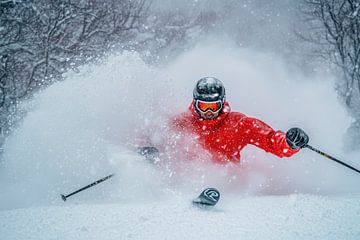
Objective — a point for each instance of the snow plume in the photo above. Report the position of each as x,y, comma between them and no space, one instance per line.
80,130
88,126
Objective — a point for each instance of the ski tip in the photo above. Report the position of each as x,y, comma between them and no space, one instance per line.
209,197
63,197
200,204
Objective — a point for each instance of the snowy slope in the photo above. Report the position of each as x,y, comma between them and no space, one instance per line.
86,127
268,217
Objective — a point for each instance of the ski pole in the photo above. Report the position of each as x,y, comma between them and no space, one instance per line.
86,187
332,158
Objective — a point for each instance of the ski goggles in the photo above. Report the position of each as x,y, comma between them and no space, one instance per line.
204,106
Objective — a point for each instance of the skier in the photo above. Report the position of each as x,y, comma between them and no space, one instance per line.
225,133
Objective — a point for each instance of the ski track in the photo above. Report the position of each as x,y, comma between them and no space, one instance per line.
263,217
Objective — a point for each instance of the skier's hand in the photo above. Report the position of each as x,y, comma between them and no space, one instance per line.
296,138
150,153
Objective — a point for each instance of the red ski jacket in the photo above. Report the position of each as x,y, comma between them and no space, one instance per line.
225,136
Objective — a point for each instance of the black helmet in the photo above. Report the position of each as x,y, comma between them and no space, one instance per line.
209,89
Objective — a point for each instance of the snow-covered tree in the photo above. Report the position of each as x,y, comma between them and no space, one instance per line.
40,40
335,29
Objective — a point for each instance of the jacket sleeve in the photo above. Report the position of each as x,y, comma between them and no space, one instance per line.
263,136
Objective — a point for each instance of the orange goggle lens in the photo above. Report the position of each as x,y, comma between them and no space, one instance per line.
204,106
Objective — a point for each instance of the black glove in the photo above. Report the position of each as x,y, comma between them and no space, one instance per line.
150,153
296,138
